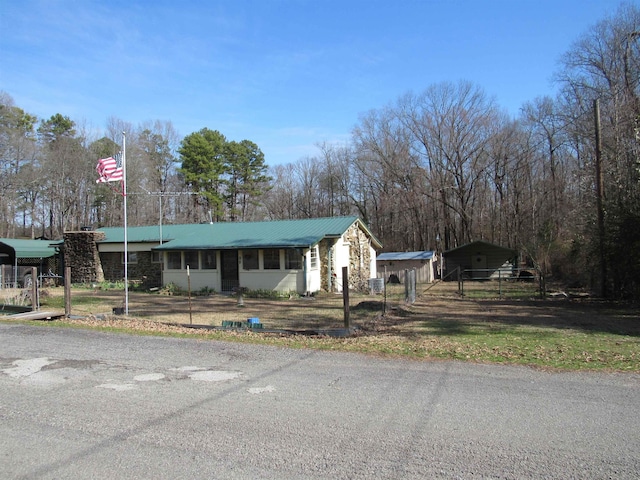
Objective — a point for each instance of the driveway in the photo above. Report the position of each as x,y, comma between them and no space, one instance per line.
86,404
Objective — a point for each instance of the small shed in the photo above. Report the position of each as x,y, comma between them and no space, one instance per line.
479,260
395,263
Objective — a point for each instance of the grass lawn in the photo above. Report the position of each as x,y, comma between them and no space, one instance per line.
516,327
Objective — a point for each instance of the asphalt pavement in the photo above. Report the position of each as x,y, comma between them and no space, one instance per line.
85,404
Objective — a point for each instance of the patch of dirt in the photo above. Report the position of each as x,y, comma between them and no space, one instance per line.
438,310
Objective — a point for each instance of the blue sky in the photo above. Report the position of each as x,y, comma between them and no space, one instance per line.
285,74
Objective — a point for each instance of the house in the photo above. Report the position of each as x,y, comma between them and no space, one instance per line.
17,256
395,263
479,260
283,255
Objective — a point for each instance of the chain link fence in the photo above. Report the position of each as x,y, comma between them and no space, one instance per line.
505,284
321,312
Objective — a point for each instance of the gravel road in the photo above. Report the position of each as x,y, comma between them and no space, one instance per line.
85,404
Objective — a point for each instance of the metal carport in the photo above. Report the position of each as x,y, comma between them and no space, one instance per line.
18,255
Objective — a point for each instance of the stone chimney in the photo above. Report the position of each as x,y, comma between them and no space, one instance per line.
81,254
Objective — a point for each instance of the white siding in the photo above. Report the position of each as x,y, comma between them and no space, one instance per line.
341,259
200,279
283,281
372,263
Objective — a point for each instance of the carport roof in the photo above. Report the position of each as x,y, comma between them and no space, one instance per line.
28,248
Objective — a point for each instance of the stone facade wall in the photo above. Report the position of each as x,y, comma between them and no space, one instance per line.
112,266
323,253
81,254
146,272
359,258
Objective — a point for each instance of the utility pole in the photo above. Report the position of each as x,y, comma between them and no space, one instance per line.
599,200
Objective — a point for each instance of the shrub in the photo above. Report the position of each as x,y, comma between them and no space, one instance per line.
171,289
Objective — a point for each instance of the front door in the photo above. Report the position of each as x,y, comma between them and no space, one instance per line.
229,270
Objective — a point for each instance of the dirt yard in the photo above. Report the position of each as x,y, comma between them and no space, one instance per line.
438,309
508,323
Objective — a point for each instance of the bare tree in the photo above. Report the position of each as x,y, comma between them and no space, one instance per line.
604,64
452,125
279,202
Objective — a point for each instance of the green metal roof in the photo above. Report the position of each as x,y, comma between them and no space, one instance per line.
148,234
29,248
480,244
232,235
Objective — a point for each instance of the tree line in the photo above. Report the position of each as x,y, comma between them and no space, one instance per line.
433,170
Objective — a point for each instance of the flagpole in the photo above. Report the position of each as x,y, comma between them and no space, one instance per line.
126,253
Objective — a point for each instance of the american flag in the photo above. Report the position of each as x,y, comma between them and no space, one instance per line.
110,169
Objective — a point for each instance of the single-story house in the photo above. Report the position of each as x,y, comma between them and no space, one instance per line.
17,256
479,260
395,263
300,256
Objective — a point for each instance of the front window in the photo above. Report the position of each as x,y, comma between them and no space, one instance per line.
174,261
132,257
314,258
191,259
209,259
250,259
271,258
293,259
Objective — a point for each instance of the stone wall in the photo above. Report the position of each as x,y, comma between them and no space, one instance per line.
359,258
143,270
81,254
323,253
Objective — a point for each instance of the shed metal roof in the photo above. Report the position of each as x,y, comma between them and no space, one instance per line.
480,244
424,255
29,248
232,235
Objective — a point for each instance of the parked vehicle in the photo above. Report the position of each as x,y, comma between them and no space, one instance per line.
22,276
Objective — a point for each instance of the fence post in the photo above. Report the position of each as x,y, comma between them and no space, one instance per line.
406,285
384,285
499,282
345,297
67,291
414,281
189,289
460,282
35,304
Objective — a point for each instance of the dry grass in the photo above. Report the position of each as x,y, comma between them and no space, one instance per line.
562,332
324,311
15,296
